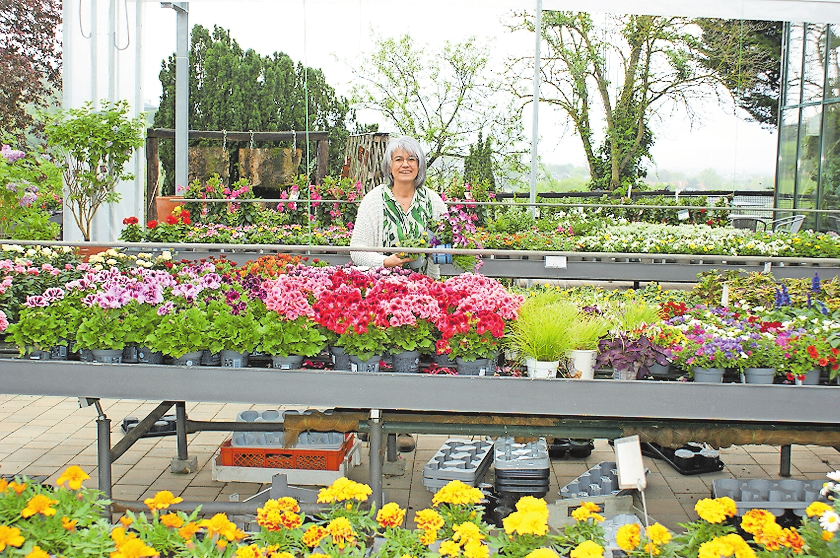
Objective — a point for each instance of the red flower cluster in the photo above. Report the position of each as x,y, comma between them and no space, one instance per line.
130,221
671,309
824,360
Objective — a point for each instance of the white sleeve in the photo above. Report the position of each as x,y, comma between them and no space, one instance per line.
367,230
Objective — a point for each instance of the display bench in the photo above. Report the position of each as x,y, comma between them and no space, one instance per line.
737,413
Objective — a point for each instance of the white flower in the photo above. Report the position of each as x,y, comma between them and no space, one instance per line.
165,255
829,521
111,261
66,249
827,487
31,252
835,476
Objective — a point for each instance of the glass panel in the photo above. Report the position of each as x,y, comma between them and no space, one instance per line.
786,176
809,162
814,62
793,90
831,167
833,85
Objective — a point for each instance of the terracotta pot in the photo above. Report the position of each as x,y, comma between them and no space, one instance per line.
165,205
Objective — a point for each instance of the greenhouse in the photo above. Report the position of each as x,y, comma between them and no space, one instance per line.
506,279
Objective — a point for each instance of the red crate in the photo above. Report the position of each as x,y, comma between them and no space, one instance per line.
286,458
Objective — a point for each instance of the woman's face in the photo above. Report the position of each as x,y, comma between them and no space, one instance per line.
404,167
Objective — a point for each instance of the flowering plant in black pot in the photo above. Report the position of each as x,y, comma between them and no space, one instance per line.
626,351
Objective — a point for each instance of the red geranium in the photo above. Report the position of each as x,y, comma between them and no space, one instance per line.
171,220
151,224
130,221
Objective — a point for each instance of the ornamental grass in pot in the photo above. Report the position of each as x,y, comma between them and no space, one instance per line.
541,332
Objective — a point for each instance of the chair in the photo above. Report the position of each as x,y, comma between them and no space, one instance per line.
787,224
749,222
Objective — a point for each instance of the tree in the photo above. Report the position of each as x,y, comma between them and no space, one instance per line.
747,58
30,60
443,98
478,165
239,90
623,72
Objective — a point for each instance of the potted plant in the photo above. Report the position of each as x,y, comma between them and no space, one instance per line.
706,356
40,327
288,342
630,355
541,332
234,330
365,341
418,261
472,339
181,333
96,145
806,356
104,331
765,358
583,341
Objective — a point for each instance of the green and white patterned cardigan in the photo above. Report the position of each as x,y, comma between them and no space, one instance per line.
370,227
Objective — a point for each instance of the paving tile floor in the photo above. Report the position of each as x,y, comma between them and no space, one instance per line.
41,436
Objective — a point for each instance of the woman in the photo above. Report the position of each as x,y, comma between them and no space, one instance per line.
402,208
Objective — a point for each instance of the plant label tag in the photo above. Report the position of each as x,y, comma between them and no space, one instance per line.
631,467
682,215
767,266
294,196
555,262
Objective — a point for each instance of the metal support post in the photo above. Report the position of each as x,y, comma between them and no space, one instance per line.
391,447
103,450
376,456
183,463
784,465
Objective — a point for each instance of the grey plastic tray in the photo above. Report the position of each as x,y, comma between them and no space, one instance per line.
509,455
311,440
775,496
600,480
458,459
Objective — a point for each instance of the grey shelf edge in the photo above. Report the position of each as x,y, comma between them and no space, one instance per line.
641,269
738,403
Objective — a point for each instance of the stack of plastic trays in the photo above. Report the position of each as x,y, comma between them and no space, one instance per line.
522,469
788,497
600,480
311,440
458,459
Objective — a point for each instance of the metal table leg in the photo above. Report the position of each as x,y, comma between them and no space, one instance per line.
784,465
376,456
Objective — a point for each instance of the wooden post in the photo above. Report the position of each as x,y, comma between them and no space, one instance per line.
323,157
152,174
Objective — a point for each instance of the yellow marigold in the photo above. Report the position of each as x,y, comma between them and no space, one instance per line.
429,536
756,520
714,511
125,521
162,500
341,532
587,549
287,503
10,536
428,520
467,531
628,536
827,535
318,555
4,484
187,531
391,515
542,553
344,489
249,551
73,476
529,504
449,548
652,549
658,534
37,553
273,549
314,535
133,548
816,509
221,525
587,511
291,520
793,540
457,493
17,487
69,524
39,503
728,545
526,523
474,549
172,520
770,537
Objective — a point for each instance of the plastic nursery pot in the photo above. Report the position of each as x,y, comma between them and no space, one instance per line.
708,375
418,264
209,358
293,362
582,364
407,362
478,367
759,375
340,359
188,359
107,356
370,365
129,354
812,378
234,359
147,356
541,368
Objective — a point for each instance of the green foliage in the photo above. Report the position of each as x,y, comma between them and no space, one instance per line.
233,214
233,330
394,80
102,328
96,145
417,337
478,165
180,332
28,187
39,328
236,89
364,344
298,337
542,329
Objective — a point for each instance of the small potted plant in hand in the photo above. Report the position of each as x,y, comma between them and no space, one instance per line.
418,263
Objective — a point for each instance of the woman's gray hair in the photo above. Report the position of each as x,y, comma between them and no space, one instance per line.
414,149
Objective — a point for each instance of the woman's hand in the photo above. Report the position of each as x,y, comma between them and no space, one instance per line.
395,261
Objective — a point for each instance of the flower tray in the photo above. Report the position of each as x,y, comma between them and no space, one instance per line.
521,469
291,458
691,459
166,426
786,498
458,459
600,480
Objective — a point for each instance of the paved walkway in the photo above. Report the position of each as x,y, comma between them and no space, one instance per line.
41,436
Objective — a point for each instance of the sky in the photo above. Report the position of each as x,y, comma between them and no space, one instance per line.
333,34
